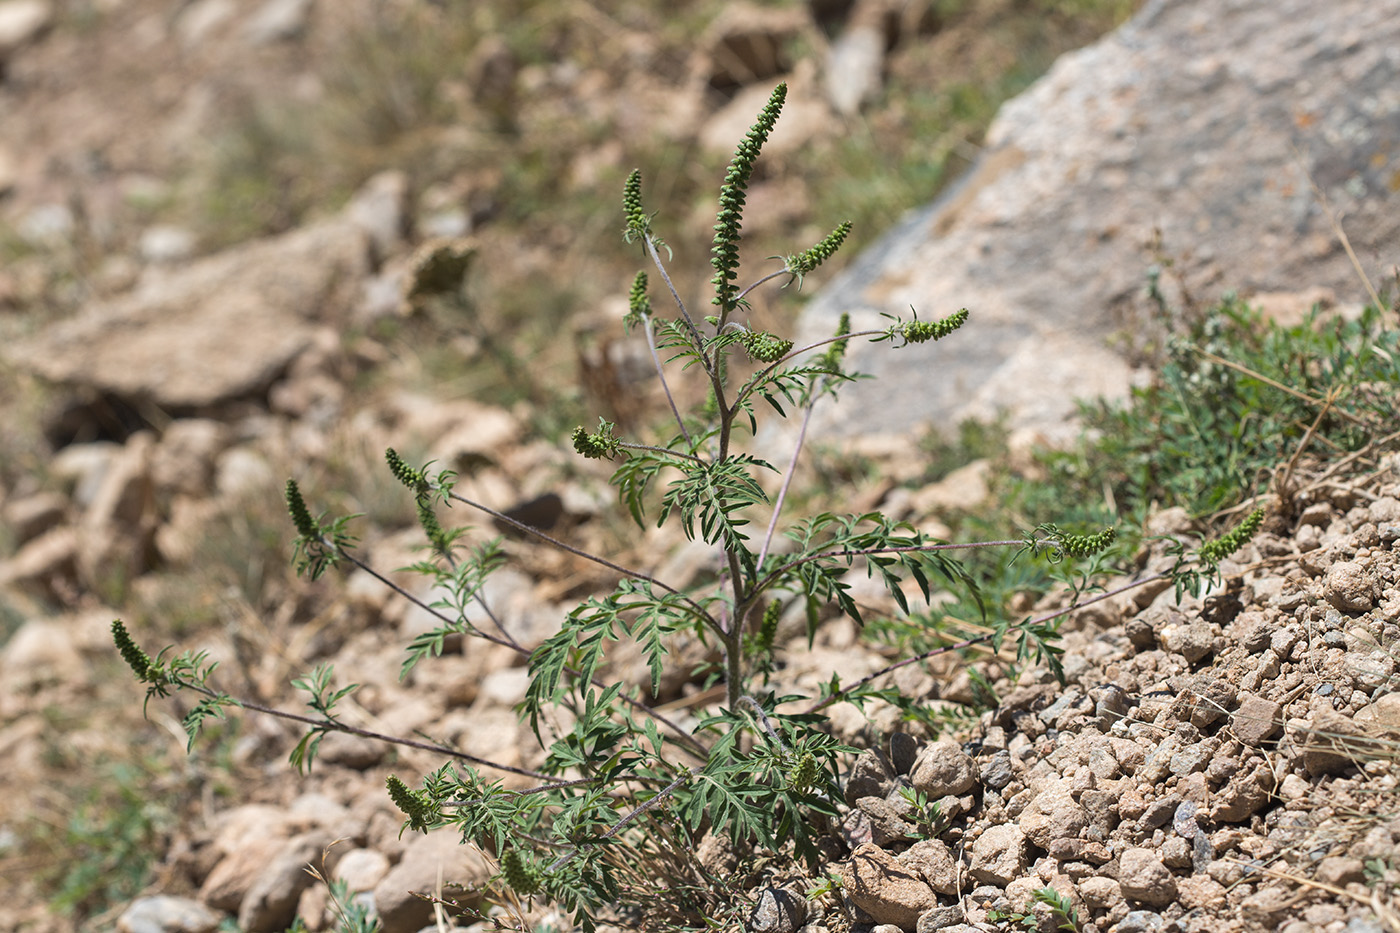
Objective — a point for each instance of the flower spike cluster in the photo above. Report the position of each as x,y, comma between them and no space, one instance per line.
1088,545
638,223
522,876
831,359
139,661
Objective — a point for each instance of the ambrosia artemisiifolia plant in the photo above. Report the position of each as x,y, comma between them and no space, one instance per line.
625,789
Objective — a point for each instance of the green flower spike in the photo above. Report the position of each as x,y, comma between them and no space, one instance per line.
421,812
416,480
1086,545
725,251
138,660
523,878
831,359
428,519
638,223
920,331
809,259
600,445
805,771
1213,552
301,516
638,303
768,627
765,347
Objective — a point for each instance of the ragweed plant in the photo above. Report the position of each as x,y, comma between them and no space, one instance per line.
623,785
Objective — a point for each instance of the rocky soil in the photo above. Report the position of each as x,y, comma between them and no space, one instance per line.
1224,764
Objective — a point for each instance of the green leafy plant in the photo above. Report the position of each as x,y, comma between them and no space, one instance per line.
1234,398
622,786
927,815
1061,911
104,845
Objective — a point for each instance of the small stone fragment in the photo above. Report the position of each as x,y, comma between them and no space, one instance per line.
437,859
362,869
1200,892
1053,814
934,861
869,777
1349,586
1257,720
778,911
999,855
1269,905
886,889
1332,743
996,771
904,751
1142,877
886,824
1245,795
1140,921
270,903
1340,872
942,919
944,769
1192,640
1100,893
1193,757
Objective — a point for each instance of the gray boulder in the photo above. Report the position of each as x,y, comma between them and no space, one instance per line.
1202,119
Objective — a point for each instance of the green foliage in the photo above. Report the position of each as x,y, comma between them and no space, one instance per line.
927,815
1233,399
322,702
1061,911
352,914
106,842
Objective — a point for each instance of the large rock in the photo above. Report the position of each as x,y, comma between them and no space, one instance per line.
1203,119
221,329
